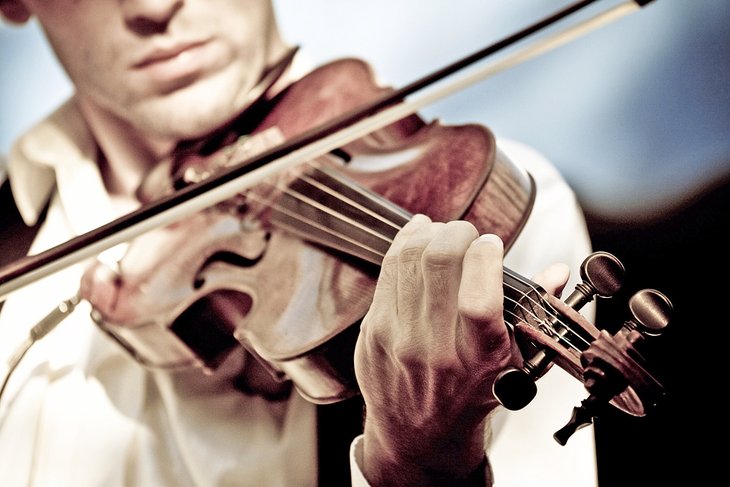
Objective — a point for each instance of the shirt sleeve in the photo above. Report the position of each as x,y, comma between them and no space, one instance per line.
358,479
521,449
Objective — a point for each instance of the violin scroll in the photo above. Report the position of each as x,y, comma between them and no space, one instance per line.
549,331
602,275
614,362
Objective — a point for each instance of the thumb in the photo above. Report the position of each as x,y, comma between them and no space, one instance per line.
553,278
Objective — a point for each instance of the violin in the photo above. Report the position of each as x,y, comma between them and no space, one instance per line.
286,269
214,282
325,225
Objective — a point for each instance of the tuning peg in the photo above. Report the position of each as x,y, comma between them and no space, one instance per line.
582,416
602,275
514,388
651,312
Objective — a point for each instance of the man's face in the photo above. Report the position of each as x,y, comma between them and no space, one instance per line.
172,68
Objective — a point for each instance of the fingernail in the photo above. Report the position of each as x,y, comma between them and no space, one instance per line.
420,218
490,238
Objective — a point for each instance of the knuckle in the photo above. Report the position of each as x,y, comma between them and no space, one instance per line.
440,258
477,307
410,254
389,261
408,354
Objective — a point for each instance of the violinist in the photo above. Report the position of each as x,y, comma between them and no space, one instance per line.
79,410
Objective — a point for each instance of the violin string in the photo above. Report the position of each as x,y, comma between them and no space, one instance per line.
305,199
560,338
549,312
318,164
396,227
298,217
350,201
270,203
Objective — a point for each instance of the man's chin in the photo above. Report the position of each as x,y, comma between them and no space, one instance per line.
190,112
181,120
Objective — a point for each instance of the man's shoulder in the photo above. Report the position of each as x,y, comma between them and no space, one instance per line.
530,159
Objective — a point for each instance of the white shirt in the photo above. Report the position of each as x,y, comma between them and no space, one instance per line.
78,411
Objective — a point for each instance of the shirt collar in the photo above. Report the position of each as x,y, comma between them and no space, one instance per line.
60,152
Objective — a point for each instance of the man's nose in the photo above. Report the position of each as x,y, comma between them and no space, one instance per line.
147,17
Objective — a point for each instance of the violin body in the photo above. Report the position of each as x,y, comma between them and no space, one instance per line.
288,268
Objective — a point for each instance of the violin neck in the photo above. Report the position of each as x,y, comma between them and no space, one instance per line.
327,208
324,207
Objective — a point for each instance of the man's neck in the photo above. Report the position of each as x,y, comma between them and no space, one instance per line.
127,154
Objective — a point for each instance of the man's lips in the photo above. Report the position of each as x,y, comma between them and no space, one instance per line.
164,54
171,67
